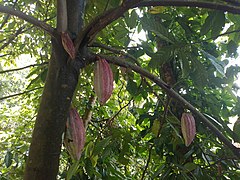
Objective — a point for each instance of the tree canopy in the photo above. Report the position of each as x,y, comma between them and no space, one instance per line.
167,57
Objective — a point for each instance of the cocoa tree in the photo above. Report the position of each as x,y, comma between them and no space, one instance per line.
177,68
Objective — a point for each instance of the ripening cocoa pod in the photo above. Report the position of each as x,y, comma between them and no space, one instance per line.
68,45
103,80
74,137
188,128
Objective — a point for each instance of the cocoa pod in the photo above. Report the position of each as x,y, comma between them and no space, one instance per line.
103,80
74,137
68,45
188,128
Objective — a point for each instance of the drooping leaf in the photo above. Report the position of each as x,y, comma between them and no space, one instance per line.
214,23
8,159
215,62
158,29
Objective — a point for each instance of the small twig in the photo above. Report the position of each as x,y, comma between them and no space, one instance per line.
164,115
25,67
119,96
106,6
204,154
215,37
12,37
7,16
18,94
88,110
148,161
115,115
3,55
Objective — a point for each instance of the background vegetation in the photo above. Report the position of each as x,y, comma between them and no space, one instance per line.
137,134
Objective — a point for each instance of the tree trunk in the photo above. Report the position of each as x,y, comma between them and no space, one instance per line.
62,78
46,142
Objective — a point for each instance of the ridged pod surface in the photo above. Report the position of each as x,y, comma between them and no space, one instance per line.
74,137
103,81
188,128
68,44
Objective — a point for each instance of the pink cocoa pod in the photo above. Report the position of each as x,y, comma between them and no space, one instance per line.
74,137
68,45
188,128
103,80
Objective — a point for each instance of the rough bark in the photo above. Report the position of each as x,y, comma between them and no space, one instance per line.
46,142
62,78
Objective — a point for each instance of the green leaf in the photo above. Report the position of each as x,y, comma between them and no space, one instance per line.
99,147
207,24
72,170
232,48
214,22
43,75
215,62
219,22
190,166
158,29
185,65
94,160
131,21
8,159
199,74
132,87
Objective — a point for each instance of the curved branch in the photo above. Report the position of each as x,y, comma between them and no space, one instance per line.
175,95
100,22
30,19
191,3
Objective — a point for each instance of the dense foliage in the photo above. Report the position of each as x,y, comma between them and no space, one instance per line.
137,134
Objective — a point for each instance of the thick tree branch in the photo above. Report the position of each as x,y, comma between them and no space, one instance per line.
100,22
114,50
18,94
191,3
233,2
30,19
175,95
25,67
